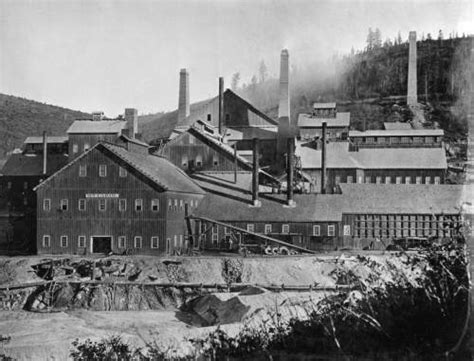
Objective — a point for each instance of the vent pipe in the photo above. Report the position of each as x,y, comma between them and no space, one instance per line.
412,98
289,172
323,159
45,153
255,201
221,105
183,102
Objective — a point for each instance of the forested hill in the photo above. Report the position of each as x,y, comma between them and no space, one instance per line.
379,71
21,117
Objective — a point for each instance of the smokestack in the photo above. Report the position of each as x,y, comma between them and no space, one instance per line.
284,131
323,159
183,102
256,202
45,153
289,172
221,105
131,117
411,87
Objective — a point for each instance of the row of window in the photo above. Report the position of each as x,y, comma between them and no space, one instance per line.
9,185
75,147
102,171
397,140
173,204
268,229
185,162
122,242
388,179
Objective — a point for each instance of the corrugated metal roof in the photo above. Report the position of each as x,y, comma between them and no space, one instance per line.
404,198
339,156
396,126
50,139
324,105
99,126
308,121
397,132
32,165
227,202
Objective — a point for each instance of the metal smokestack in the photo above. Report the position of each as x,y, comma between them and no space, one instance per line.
221,105
323,159
289,172
45,153
183,102
255,201
284,129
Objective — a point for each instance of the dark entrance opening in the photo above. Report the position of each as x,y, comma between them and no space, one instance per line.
102,244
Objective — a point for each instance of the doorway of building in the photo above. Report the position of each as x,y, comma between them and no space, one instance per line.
101,244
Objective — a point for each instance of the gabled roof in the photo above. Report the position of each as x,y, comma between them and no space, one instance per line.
396,126
404,198
32,165
225,201
309,121
339,156
50,139
397,133
158,169
99,126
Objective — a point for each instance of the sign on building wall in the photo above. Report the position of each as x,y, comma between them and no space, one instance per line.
102,195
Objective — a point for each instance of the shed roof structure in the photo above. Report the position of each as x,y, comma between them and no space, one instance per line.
397,133
397,126
51,139
98,126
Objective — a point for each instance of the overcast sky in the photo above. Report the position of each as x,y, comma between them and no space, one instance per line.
109,55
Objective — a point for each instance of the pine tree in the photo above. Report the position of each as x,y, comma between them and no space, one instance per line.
377,38
235,81
262,71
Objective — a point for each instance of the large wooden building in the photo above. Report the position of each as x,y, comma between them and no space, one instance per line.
114,199
310,125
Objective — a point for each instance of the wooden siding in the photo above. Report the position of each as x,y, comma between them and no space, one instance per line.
80,140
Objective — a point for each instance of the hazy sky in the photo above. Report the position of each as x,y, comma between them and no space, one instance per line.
109,55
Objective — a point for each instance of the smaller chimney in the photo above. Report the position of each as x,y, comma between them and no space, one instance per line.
256,202
131,117
221,105
289,172
183,102
323,159
45,153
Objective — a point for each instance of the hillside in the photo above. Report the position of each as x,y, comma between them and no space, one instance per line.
20,117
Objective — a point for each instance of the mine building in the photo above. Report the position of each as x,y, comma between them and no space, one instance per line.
397,138
114,199
310,125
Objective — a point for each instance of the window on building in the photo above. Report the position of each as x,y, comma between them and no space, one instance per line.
64,204
81,242
82,204
199,161
378,179
268,228
154,242
407,180
191,203
227,117
437,180
138,205
46,241
46,204
175,204
102,205
316,230
337,179
388,180
25,185
360,179
137,242
9,185
75,148
209,117
331,230
155,205
122,172
427,180
170,204
122,204
398,180
250,227
215,160
226,231
63,242
25,201
122,241
86,147
184,161
285,228
350,179
102,170
82,170
181,204
181,240
418,180
368,179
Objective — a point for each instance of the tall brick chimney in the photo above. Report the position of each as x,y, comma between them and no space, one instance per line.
131,117
284,130
412,98
323,159
183,102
